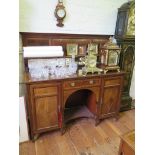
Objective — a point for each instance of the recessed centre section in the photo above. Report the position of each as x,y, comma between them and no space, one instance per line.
81,103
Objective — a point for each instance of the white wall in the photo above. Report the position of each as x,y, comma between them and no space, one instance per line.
83,16
23,128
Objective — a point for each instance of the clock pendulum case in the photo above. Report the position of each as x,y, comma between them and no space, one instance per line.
60,13
125,36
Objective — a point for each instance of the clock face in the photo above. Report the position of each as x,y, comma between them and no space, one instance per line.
113,58
61,13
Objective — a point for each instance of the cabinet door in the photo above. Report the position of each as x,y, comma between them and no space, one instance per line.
111,96
45,103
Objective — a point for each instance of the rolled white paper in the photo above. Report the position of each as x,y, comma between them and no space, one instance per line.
42,51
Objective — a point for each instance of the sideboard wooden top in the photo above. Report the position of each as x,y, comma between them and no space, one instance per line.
28,79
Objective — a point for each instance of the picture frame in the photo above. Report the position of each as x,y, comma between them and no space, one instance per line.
72,49
93,48
82,49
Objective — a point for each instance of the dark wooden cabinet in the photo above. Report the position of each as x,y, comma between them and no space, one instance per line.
125,36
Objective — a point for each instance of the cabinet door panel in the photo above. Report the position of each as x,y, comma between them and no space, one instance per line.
46,112
110,100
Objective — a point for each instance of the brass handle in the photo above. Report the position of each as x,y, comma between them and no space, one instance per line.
72,84
91,81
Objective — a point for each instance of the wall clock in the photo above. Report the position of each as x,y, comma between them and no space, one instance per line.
60,13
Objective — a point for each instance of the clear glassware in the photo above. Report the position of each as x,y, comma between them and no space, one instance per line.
53,67
35,73
45,73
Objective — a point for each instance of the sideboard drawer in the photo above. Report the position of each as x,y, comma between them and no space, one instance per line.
112,81
92,82
51,90
71,84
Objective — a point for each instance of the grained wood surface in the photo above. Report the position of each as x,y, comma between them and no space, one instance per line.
83,138
45,102
48,99
46,111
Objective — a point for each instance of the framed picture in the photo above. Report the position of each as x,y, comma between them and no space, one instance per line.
82,50
93,48
72,49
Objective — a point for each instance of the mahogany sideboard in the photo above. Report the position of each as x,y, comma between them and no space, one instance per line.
49,99
53,102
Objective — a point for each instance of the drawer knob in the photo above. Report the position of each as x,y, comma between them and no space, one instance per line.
72,84
91,81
